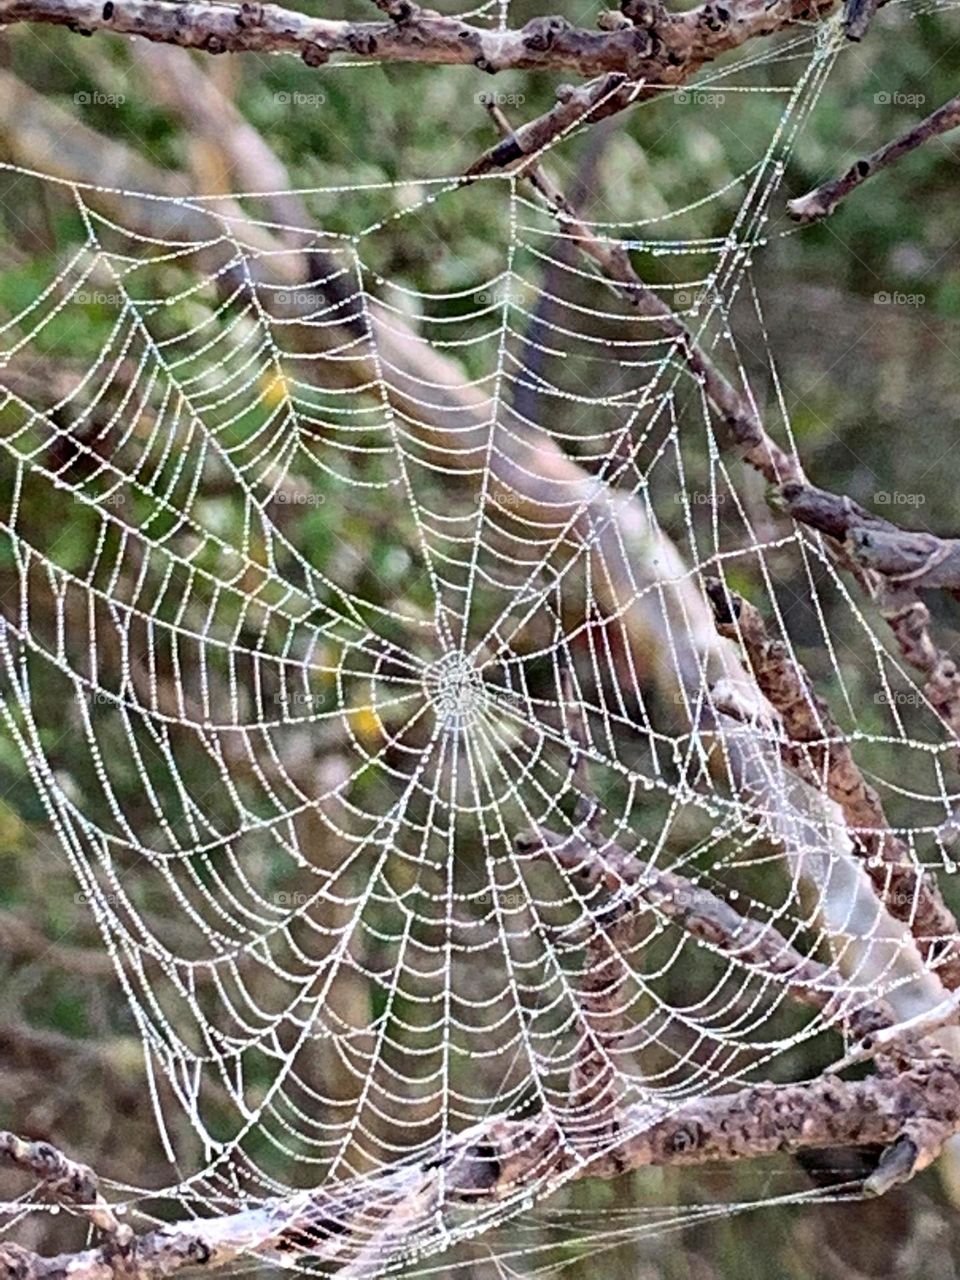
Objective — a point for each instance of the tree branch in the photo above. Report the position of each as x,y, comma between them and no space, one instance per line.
905,563
706,916
888,562
70,1183
614,261
655,45
909,893
823,200
911,1114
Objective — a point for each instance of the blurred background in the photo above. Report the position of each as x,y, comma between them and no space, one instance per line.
862,316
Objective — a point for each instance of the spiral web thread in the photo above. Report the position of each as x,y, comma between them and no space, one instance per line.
303,774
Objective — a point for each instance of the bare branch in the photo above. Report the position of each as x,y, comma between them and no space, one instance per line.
911,1114
614,261
70,1183
909,893
904,557
679,45
899,1035
905,563
656,46
822,201
857,16
705,916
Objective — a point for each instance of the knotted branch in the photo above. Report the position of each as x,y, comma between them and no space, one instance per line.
902,563
379,1219
702,914
909,893
652,45
71,1184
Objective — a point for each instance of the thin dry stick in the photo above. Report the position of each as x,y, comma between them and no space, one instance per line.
914,1111
857,16
911,1114
679,45
368,1223
822,201
904,562
614,261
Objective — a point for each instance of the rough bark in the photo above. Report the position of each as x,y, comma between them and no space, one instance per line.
909,892
911,1114
655,45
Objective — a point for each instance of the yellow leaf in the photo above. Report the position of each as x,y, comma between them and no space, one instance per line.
366,724
274,388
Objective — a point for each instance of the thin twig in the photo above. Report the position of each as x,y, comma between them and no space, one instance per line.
379,1219
610,256
822,201
704,915
905,563
857,16
891,564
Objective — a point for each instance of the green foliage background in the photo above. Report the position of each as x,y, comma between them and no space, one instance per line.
872,392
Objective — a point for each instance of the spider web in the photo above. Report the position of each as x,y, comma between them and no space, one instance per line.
297,770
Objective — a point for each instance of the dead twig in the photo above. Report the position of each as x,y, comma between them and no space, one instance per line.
910,1114
668,43
823,200
733,409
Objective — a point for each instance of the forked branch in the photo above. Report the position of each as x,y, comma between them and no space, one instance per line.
370,1222
906,890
